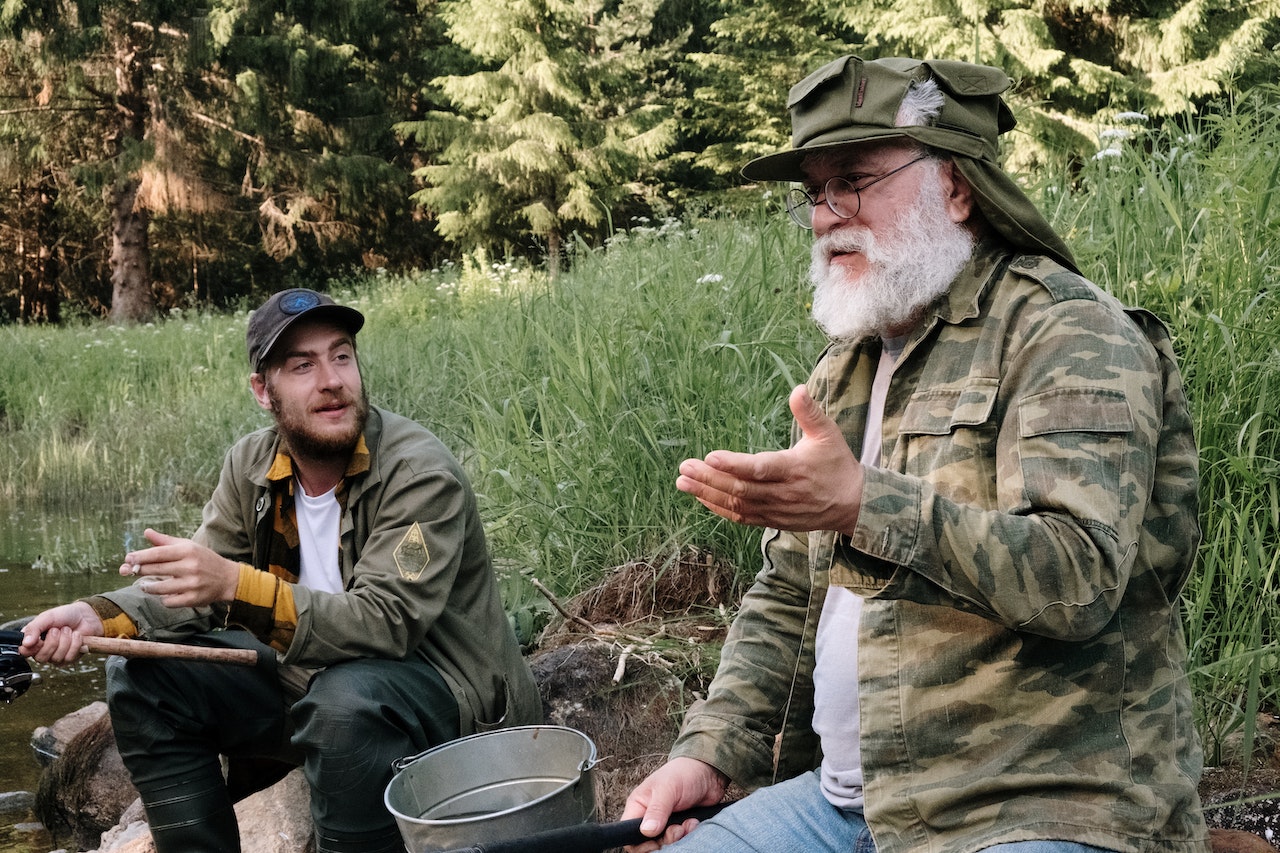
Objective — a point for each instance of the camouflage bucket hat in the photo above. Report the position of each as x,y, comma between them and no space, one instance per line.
852,101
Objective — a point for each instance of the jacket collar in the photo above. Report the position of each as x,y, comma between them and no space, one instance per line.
964,299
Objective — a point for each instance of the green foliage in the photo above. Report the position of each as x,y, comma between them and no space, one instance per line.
310,93
547,136
274,143
1079,62
265,129
1183,221
756,52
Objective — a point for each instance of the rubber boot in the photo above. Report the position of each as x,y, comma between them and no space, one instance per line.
330,842
192,817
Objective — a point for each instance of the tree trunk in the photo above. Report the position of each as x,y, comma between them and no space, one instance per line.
131,297
553,255
46,304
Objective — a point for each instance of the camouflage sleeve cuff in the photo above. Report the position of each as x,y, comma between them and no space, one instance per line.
264,606
115,622
890,518
739,755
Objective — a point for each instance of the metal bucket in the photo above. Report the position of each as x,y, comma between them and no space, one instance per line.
494,786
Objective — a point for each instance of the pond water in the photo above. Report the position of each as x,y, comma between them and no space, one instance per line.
50,556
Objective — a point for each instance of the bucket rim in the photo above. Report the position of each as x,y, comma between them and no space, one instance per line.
402,764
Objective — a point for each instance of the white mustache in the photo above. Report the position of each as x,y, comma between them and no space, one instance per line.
842,241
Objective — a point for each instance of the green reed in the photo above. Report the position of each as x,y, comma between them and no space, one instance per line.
1186,223
94,413
571,402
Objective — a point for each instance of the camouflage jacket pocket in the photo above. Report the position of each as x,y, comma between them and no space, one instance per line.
1072,447
948,436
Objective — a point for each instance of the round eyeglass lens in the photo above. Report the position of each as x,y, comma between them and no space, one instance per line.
800,207
843,198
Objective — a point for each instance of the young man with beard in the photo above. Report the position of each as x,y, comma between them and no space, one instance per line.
966,634
343,544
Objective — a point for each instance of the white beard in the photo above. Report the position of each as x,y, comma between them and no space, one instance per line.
908,267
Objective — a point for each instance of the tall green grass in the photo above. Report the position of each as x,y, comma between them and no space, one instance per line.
97,413
1186,222
572,402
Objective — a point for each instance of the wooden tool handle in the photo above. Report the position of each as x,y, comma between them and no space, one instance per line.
150,649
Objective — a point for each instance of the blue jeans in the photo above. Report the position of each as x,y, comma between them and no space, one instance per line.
795,816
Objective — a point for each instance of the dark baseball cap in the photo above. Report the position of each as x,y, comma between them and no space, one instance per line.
282,310
852,101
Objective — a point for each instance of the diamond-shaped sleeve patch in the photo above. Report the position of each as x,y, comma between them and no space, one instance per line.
411,554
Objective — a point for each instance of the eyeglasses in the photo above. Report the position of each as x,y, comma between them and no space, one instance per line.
841,195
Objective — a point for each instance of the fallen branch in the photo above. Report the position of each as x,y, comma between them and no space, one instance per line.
546,593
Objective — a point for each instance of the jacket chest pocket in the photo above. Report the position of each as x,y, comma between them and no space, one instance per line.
948,437
1074,450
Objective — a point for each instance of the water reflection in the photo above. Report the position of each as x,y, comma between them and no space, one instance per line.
49,556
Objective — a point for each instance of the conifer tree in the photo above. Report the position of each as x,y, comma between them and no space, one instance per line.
754,53
545,137
1079,63
314,89
104,59
263,127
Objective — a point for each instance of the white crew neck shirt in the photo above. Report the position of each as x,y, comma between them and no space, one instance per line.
318,519
837,715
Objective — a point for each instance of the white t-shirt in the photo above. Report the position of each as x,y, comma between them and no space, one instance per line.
318,519
836,716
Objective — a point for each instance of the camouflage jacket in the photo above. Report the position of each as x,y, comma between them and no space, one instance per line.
1021,551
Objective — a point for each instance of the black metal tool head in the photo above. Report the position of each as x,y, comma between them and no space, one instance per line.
15,673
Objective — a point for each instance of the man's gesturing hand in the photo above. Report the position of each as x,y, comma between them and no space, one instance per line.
815,485
184,574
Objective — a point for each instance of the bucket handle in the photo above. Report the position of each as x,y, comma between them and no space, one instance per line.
398,765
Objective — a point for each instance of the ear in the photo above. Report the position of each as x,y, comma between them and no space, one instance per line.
958,194
258,384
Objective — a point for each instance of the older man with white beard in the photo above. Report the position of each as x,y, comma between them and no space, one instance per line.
965,636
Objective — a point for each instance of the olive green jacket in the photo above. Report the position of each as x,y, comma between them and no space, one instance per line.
1021,550
415,568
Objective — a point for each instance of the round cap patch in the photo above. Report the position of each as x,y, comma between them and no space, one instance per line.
296,303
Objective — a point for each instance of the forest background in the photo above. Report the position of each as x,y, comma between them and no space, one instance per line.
538,208
158,154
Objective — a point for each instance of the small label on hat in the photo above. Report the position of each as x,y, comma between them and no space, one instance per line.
862,90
